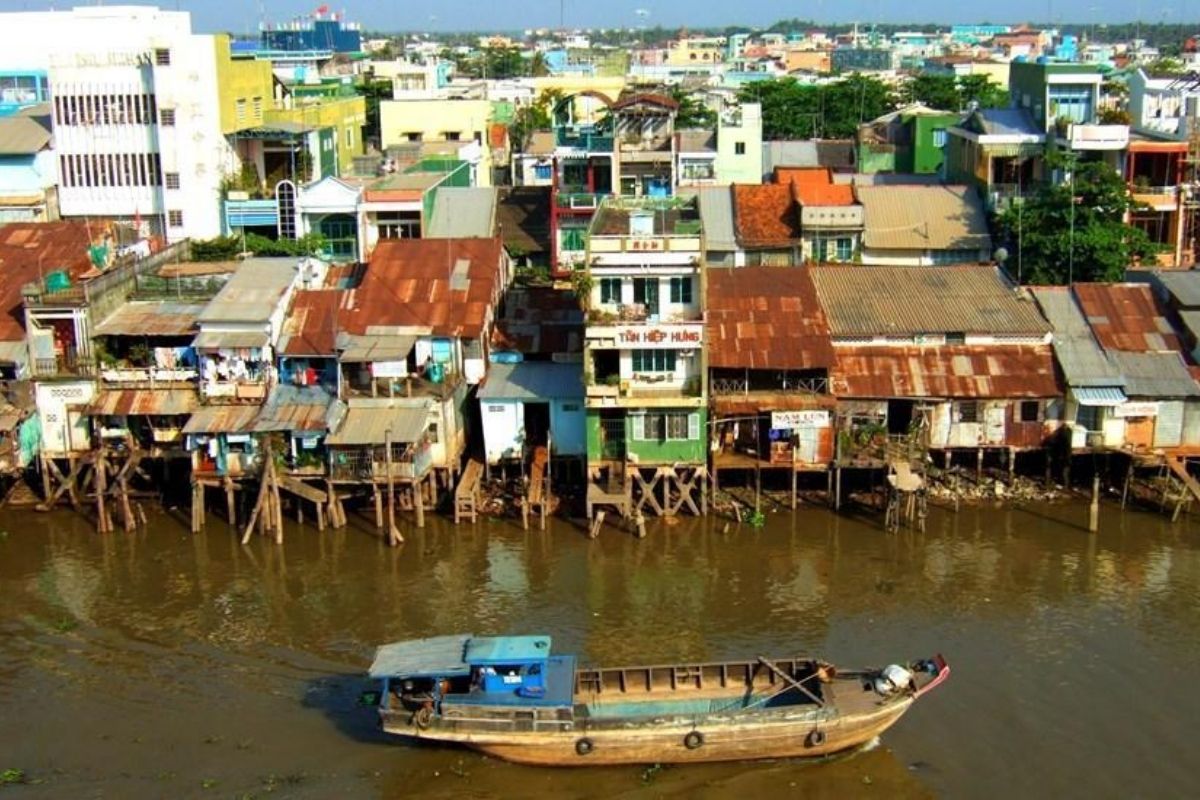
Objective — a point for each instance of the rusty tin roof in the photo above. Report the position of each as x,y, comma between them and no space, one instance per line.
962,371
766,318
1126,316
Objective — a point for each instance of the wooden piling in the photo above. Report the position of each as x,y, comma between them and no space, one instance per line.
1094,511
394,537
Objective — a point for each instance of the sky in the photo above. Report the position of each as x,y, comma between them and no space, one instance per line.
242,16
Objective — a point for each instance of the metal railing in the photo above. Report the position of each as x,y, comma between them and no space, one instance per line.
733,386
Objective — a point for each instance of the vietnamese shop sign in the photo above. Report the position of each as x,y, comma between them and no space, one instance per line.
790,420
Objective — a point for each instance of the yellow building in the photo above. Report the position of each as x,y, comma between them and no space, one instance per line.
421,123
244,88
344,117
585,109
696,51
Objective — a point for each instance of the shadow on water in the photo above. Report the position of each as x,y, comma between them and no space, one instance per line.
341,698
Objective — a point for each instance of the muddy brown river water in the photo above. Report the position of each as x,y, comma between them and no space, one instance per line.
162,664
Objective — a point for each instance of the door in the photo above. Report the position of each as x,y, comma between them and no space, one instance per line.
537,424
1168,428
807,444
645,292
899,416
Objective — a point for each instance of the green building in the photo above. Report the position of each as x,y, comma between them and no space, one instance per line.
909,140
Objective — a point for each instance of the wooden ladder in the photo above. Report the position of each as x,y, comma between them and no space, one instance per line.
466,495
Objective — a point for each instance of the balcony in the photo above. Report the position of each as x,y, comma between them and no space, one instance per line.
365,464
1159,198
1003,195
124,377
1095,137
64,366
583,139
247,391
579,201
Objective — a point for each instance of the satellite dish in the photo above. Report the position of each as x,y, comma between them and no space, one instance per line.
1001,255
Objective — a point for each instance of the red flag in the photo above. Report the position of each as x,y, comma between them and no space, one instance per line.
322,10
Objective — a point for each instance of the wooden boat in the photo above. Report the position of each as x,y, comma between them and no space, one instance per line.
511,698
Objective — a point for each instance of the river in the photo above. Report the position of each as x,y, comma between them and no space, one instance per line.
162,664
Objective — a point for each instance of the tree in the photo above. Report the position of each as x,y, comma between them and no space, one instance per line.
792,110
936,91
534,117
1074,230
981,90
692,112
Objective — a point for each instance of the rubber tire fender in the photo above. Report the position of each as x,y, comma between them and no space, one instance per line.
693,740
815,738
422,717
584,746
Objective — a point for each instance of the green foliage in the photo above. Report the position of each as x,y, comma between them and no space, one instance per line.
1166,65
227,248
692,112
1114,116
582,284
533,117
950,93
1074,229
12,777
792,110
495,62
374,92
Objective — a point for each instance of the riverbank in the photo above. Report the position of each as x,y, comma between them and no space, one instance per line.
163,663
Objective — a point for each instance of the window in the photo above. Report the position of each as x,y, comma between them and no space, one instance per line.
162,57
571,408
574,239
946,257
240,106
413,136
956,338
1088,418
175,219
542,172
665,426
349,137
653,360
256,104
645,292
1031,411
452,136
739,148
610,290
968,411
166,117
171,180
844,248
681,289
939,137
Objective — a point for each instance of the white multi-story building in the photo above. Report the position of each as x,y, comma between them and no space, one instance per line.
137,109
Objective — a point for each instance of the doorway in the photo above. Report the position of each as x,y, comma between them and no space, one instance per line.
899,417
537,424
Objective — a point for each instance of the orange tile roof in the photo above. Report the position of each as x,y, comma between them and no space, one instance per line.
814,186
765,215
408,284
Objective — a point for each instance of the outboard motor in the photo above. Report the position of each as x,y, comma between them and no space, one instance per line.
892,679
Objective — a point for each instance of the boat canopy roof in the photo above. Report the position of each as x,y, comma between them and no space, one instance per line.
507,649
445,656
437,656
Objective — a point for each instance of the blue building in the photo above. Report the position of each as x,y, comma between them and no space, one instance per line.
317,34
21,89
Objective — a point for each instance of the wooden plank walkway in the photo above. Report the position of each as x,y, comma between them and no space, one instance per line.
466,495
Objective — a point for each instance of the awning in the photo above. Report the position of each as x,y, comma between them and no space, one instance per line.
222,419
144,402
151,319
230,340
370,425
1098,395
364,349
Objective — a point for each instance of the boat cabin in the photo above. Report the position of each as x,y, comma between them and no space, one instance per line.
475,671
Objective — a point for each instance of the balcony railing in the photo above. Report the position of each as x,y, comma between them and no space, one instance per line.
246,390
64,366
371,464
736,386
583,140
147,377
1097,137
579,201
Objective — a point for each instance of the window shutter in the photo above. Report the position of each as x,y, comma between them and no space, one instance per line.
693,426
638,427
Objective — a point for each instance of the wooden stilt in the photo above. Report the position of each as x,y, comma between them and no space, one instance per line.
100,483
230,501
378,505
1012,465
979,466
1094,511
394,537
1128,480
597,521
278,504
418,491
837,494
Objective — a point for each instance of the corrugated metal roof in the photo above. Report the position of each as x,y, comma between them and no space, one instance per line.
368,421
230,340
1007,122
436,656
22,136
1184,286
873,301
1083,361
533,380
144,402
370,348
1126,316
1011,371
151,318
1156,375
310,327
766,318
30,249
407,284
716,215
467,212
298,409
253,292
923,218
222,419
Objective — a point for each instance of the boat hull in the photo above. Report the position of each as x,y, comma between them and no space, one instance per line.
725,739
